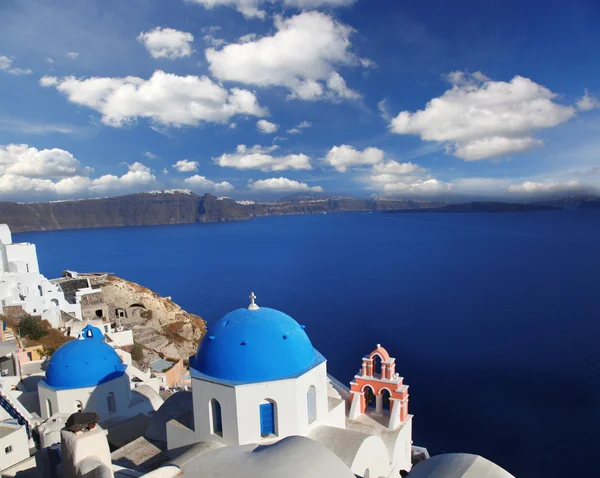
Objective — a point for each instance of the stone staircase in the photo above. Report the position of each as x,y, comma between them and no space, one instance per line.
16,410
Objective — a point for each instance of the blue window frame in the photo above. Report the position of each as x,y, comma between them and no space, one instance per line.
267,419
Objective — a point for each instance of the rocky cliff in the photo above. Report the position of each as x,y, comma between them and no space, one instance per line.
172,207
158,324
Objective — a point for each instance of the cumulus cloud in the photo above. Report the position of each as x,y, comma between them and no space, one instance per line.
282,185
266,127
302,55
588,102
167,43
251,8
165,99
200,183
545,187
185,166
258,157
481,118
72,55
344,157
393,178
150,155
24,160
55,173
6,65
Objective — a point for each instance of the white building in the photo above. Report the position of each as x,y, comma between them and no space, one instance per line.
261,405
14,444
256,379
21,283
87,375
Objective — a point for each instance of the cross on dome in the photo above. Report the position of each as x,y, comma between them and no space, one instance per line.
252,305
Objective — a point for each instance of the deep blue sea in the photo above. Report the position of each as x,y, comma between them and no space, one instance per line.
494,319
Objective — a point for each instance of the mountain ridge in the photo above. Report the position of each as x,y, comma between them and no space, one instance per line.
181,206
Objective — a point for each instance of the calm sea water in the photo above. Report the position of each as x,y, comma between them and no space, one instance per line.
493,318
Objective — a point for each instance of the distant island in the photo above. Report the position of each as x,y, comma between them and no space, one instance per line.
482,206
181,206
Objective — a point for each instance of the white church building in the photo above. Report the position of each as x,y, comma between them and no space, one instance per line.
21,283
87,375
262,405
256,378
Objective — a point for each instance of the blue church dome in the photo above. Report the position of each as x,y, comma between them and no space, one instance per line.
81,363
255,345
91,332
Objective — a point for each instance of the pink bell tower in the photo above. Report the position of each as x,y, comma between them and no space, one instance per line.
383,385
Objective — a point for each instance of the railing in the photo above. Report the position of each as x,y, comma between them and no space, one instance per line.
16,411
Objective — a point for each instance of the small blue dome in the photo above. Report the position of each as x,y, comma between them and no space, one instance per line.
255,346
91,332
86,362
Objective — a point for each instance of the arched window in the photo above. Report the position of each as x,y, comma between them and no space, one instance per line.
385,397
49,407
311,402
268,418
40,290
216,417
376,365
78,406
111,403
370,397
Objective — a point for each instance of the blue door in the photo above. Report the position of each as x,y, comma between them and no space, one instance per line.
267,419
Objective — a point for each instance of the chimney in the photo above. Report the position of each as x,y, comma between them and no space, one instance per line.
84,447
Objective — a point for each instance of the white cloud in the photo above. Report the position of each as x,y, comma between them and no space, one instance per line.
282,185
588,102
367,63
165,99
393,178
298,128
165,171
200,183
248,8
302,56
185,166
251,8
150,155
24,160
545,187
247,38
49,60
481,118
419,187
493,146
338,86
72,55
266,127
344,157
56,174
258,157
6,65
382,106
167,43
31,127
216,42
317,3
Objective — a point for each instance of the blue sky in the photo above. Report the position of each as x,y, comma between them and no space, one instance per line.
256,99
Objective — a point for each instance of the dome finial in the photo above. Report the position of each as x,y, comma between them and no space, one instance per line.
252,305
